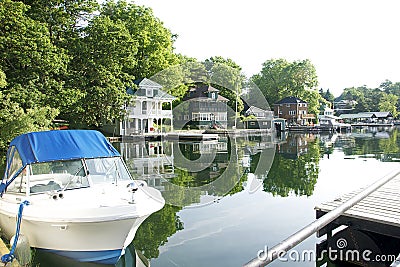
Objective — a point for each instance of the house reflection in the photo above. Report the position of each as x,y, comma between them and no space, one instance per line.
210,146
295,145
149,161
208,159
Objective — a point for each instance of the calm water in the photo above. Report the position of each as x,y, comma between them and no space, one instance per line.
234,197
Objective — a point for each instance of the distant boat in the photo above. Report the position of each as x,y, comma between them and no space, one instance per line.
83,203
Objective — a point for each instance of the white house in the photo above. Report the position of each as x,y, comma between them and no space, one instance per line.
145,113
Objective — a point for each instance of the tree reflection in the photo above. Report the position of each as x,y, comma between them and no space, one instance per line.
295,167
156,229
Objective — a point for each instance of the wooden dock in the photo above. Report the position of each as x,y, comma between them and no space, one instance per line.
379,212
374,222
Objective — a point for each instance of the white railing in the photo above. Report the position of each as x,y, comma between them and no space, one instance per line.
135,113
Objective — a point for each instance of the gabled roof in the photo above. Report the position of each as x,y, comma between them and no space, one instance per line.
147,83
349,116
382,114
164,95
144,84
366,115
212,89
290,100
221,98
200,92
254,109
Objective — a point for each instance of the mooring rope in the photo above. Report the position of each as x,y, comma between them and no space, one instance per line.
10,256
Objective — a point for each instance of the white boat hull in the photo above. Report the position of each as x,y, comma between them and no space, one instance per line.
84,233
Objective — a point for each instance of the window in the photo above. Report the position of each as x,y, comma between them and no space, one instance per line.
107,170
144,107
292,112
19,183
195,116
54,176
149,92
14,164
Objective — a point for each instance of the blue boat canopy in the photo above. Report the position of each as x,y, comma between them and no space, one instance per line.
62,145
37,147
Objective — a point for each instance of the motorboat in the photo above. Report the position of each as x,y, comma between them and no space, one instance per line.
83,202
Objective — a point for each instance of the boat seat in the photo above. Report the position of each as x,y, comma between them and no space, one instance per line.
48,182
50,186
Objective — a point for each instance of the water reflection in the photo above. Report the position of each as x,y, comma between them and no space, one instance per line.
295,168
382,144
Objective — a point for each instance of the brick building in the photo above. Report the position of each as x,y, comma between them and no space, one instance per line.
294,110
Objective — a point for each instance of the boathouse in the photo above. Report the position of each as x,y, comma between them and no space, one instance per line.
367,117
258,118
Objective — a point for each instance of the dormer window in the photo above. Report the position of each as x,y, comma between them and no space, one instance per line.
149,92
213,95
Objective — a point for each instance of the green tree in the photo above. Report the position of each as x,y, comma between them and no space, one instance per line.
392,88
14,120
273,80
3,81
302,77
327,95
63,18
32,64
177,79
388,103
225,75
279,78
154,40
356,94
102,63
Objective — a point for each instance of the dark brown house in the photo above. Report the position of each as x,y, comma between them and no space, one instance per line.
294,110
202,108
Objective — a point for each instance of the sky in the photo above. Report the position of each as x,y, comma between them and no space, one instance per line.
350,42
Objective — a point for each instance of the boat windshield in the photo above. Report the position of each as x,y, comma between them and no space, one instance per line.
51,176
107,170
